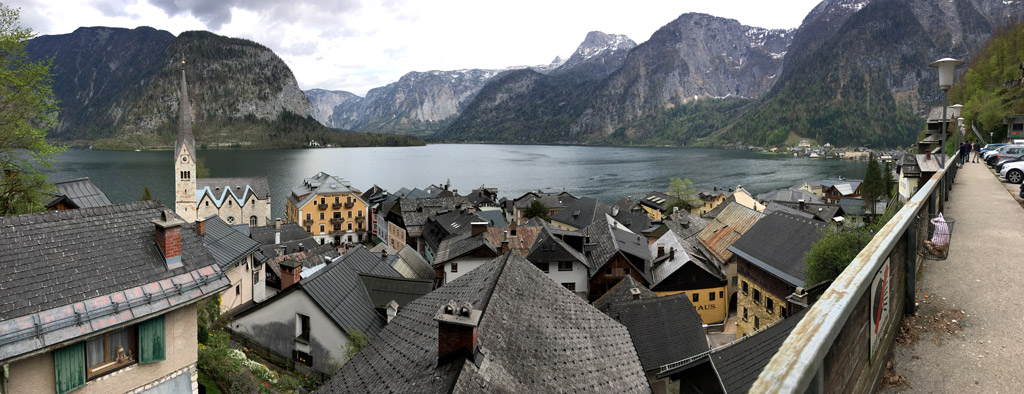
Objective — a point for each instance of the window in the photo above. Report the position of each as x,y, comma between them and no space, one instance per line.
349,226
229,203
337,227
110,351
608,271
721,294
782,311
303,358
734,279
696,297
350,214
711,296
321,229
542,266
337,215
625,271
744,287
321,216
757,323
455,267
744,313
207,203
309,217
303,328
348,199
252,221
757,296
255,277
337,199
231,219
570,286
565,266
769,305
323,201
309,228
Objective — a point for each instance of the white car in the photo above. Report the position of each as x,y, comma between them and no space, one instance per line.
987,154
1013,172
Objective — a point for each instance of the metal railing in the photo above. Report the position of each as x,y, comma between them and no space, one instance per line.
831,347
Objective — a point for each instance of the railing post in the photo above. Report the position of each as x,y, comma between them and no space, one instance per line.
910,299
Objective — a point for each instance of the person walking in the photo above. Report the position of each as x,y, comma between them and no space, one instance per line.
965,149
977,150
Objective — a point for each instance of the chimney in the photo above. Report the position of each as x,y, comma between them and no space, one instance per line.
802,204
291,273
504,243
478,228
615,210
383,255
277,224
391,310
634,293
277,236
456,330
671,253
168,238
928,155
201,226
301,249
661,250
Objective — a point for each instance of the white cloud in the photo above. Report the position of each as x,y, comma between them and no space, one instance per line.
355,46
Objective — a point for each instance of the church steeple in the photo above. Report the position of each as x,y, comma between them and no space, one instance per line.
185,158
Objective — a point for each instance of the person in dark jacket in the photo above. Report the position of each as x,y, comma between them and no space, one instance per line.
965,149
977,150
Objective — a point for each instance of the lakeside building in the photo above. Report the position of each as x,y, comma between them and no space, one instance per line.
76,193
237,200
329,209
75,318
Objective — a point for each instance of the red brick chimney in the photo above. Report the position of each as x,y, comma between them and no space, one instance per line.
478,227
456,330
201,226
291,273
168,238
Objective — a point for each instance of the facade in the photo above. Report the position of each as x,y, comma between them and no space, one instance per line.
239,257
720,233
408,217
614,252
329,209
560,262
134,298
555,202
1014,126
680,266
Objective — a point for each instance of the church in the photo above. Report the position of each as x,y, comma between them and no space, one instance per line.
235,200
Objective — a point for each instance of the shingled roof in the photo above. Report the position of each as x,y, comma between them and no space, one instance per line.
227,245
86,260
621,292
571,347
610,238
241,190
548,248
82,192
778,245
664,329
340,292
321,183
415,212
726,228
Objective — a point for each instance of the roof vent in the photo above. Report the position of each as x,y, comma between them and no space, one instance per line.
634,293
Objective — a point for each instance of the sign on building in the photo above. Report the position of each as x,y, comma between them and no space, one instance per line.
879,306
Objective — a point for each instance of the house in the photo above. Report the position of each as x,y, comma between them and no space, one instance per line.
664,330
720,233
239,257
914,171
280,268
76,193
933,129
654,203
109,306
329,209
586,211
407,218
770,266
740,196
504,327
834,190
789,195
684,224
444,225
711,199
374,197
312,321
733,368
554,202
826,213
463,253
614,252
856,207
563,264
1014,126
680,266
627,289
236,200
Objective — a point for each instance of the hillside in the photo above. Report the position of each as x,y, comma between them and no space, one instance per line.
993,86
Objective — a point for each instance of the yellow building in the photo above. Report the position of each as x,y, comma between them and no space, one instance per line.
329,209
678,268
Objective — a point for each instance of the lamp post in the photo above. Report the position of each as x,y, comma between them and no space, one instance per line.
957,110
946,67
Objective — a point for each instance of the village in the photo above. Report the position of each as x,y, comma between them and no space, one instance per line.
378,291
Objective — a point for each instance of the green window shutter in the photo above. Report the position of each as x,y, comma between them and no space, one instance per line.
69,366
152,340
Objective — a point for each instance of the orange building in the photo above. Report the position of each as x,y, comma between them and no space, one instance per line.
329,209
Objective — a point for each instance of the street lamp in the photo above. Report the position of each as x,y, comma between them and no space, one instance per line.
946,67
957,111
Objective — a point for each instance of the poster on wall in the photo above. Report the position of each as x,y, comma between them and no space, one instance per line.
879,306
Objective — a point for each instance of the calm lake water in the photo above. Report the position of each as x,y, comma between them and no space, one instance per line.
605,173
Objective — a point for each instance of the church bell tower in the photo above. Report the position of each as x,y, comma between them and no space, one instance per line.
185,158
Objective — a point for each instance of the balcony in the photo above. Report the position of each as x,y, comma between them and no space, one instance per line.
322,207
336,205
337,220
338,232
360,219
349,205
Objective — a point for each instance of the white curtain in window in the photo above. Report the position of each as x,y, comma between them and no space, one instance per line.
94,351
121,341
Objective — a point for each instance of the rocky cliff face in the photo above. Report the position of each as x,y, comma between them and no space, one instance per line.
600,54
324,101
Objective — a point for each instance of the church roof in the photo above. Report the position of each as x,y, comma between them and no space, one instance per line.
240,189
184,119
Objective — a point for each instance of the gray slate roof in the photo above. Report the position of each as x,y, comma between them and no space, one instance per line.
291,236
685,224
548,248
340,292
583,212
740,363
571,347
778,244
321,183
416,211
384,289
227,245
495,217
550,200
790,195
457,246
239,189
411,264
82,192
610,240
307,258
621,293
664,329
824,212
773,206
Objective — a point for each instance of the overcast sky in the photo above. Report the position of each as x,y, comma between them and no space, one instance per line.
357,45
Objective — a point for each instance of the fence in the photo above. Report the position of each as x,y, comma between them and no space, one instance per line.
275,357
842,343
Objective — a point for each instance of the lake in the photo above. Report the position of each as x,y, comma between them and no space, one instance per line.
605,173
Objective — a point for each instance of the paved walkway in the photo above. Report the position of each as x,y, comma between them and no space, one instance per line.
983,277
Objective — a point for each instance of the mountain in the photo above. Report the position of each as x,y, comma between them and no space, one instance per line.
600,54
324,101
861,77
695,56
118,89
992,86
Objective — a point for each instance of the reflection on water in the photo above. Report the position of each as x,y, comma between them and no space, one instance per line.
605,173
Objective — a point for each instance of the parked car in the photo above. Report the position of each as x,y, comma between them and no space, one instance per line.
988,154
1009,150
1013,172
1006,159
989,147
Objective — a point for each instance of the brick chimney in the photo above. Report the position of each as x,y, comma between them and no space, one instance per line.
478,228
168,238
201,226
661,250
291,271
456,330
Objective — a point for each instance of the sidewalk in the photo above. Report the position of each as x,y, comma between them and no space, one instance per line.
981,352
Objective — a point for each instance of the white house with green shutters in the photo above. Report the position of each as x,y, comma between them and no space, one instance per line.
102,300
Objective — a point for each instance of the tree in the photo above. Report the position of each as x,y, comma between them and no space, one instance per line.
536,209
873,188
683,195
146,195
28,109
830,255
890,182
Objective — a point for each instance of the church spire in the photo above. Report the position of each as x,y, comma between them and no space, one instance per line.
184,118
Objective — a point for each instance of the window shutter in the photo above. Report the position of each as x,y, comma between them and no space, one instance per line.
69,366
152,340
